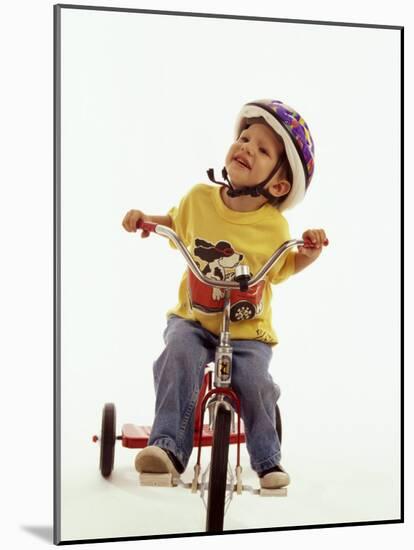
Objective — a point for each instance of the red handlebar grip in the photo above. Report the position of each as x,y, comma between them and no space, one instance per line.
146,226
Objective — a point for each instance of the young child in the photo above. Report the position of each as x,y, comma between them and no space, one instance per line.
267,169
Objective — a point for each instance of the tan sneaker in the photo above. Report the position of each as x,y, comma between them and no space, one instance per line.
275,480
154,460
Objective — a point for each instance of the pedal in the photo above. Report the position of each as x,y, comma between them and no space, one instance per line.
157,480
273,492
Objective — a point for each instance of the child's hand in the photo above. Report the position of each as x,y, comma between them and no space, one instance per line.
316,238
129,223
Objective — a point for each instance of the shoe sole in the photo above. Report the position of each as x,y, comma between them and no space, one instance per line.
274,480
154,460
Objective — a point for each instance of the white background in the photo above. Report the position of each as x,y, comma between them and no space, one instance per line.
28,295
137,131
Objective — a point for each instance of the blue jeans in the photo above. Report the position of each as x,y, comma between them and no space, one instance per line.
178,376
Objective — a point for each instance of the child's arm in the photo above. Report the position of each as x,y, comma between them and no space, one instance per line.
129,223
306,255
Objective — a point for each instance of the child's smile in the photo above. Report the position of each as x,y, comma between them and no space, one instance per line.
242,160
253,156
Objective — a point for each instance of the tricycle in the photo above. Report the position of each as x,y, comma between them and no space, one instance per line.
218,482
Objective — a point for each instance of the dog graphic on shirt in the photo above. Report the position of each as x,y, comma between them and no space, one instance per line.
219,257
220,260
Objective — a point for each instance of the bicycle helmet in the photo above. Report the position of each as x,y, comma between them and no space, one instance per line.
299,147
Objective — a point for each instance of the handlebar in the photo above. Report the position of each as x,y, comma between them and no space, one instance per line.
172,235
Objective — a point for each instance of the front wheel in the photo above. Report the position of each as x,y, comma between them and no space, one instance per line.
218,471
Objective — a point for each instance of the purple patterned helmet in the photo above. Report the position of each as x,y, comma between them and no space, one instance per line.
294,131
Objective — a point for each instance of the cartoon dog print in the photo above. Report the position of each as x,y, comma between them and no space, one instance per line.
219,257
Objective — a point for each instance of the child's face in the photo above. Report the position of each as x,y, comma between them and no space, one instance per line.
253,156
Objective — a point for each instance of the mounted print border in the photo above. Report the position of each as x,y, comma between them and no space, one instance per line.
125,84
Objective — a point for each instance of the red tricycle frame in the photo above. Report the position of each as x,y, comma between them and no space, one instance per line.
136,437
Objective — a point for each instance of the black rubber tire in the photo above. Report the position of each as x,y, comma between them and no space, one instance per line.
279,424
108,439
218,471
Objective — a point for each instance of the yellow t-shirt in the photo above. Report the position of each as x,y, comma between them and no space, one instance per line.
219,239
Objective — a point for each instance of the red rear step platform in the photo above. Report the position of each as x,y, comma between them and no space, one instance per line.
136,437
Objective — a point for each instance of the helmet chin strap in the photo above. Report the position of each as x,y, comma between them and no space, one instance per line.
255,191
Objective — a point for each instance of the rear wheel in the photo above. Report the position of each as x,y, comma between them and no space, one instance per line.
218,471
108,438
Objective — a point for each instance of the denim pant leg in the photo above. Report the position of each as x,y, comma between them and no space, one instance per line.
258,396
178,376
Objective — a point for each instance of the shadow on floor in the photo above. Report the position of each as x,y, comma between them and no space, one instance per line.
44,532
